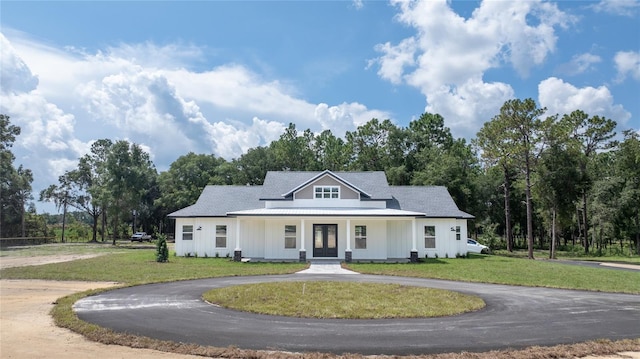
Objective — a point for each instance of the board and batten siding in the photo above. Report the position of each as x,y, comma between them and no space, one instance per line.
204,237
399,239
376,239
264,238
252,238
274,239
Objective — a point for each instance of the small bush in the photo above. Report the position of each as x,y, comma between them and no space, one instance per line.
162,252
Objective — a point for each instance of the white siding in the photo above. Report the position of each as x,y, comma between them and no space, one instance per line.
376,240
399,239
184,247
264,237
446,244
274,239
252,238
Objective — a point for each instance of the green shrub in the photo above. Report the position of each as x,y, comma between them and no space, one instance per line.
162,252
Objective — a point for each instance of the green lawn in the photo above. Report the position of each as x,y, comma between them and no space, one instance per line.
343,300
135,264
138,266
515,271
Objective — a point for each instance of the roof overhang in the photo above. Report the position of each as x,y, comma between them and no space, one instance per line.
324,212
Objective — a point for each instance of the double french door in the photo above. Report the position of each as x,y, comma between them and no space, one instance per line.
325,240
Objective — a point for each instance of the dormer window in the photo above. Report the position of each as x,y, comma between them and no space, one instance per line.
326,192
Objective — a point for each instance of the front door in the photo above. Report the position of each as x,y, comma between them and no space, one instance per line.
325,240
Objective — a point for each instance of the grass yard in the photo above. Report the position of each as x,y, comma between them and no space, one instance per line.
514,271
133,264
340,300
138,266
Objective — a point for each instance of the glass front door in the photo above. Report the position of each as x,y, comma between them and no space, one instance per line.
325,240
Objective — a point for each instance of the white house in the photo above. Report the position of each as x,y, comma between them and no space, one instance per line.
319,215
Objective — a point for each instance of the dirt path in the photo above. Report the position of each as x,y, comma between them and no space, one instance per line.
27,329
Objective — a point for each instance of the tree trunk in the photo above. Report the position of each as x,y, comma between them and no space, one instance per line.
527,191
104,223
95,216
638,232
64,219
585,225
553,235
22,221
507,211
115,223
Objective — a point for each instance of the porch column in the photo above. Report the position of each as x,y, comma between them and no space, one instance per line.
414,249
237,253
303,252
348,255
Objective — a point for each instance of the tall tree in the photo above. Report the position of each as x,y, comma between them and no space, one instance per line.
15,183
628,163
21,190
519,132
369,145
293,152
8,133
130,174
497,151
330,151
557,184
93,174
187,176
588,135
61,196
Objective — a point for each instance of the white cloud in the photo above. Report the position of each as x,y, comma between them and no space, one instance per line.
357,4
230,140
561,98
627,64
15,75
618,7
147,95
449,55
580,64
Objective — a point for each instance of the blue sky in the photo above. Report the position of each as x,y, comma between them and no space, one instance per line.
221,77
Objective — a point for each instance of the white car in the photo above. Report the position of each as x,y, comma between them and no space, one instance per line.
140,236
475,247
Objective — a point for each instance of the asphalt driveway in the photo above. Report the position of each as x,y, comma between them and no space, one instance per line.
514,317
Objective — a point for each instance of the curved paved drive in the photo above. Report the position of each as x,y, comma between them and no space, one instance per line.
514,317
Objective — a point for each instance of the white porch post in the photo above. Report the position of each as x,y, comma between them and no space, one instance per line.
303,252
348,255
349,235
414,249
237,253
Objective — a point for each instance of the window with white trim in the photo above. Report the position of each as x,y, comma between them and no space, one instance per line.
289,236
457,233
221,236
430,237
325,192
361,237
187,233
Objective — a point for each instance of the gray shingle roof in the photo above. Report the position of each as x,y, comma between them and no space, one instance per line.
276,184
433,201
217,201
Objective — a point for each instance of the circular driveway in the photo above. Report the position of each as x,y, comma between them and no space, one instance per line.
514,317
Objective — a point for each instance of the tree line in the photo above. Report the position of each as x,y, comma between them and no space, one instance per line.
531,180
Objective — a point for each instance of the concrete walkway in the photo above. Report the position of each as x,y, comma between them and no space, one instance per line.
326,267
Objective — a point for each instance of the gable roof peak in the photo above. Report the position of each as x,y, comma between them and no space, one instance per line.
323,174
